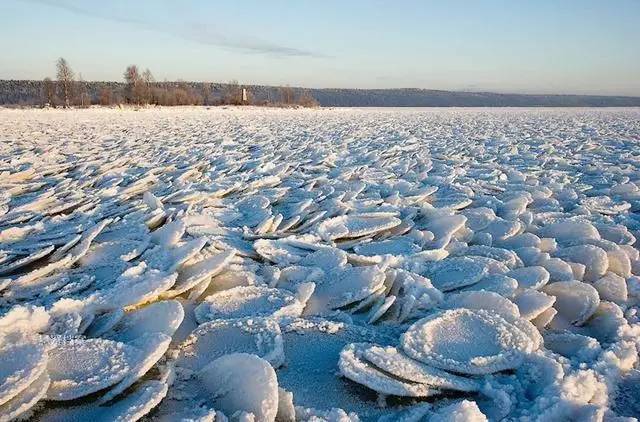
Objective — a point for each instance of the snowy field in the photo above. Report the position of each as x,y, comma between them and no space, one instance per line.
320,265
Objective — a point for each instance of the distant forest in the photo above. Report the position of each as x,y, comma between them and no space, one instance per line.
140,88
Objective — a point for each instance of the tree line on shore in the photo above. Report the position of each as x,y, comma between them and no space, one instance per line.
142,89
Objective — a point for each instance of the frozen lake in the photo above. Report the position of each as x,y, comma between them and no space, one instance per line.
319,264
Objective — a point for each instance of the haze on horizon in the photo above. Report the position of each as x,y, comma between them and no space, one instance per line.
545,46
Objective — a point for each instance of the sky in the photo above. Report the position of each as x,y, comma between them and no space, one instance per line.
520,46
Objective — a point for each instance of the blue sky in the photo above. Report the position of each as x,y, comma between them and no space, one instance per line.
542,46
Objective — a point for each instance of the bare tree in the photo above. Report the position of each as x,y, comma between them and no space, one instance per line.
286,95
106,97
147,86
49,92
65,79
83,99
132,78
206,93
232,93
307,100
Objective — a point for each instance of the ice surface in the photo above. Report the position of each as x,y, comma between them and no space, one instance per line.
81,367
392,361
26,399
576,301
458,264
160,317
453,273
467,341
22,364
151,347
353,367
134,406
246,301
242,382
257,336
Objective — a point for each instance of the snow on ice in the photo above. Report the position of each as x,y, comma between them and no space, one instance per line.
250,264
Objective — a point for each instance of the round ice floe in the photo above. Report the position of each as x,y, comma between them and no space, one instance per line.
532,303
569,230
159,317
478,218
254,209
103,323
542,320
381,308
169,234
353,367
605,205
151,347
512,208
26,399
575,301
245,301
391,360
350,226
81,249
20,365
522,240
558,269
258,336
612,287
578,270
493,266
170,260
466,341
454,202
22,262
454,273
616,233
397,246
530,277
327,259
242,382
501,229
489,301
279,251
619,262
27,280
595,259
507,257
136,285
572,345
344,287
131,408
105,253
192,275
531,256
81,367
498,283
443,228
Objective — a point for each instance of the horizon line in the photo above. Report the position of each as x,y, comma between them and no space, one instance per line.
461,91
